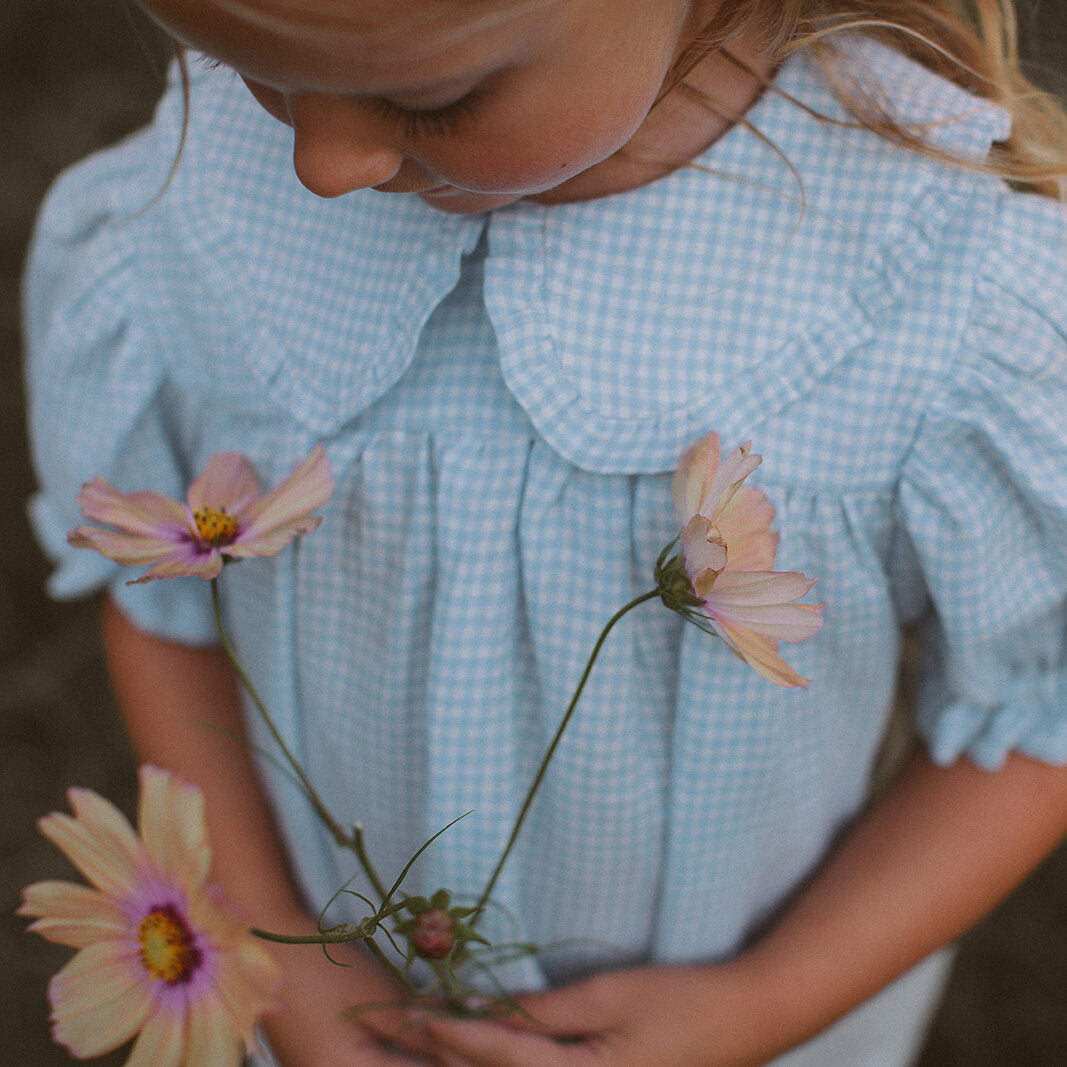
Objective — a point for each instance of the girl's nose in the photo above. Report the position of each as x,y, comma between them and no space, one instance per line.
340,144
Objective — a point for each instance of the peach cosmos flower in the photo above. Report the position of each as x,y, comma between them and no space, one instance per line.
224,516
723,577
160,954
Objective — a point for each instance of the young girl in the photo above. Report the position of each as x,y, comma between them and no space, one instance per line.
615,226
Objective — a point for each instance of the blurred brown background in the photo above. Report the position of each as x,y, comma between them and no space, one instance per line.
78,74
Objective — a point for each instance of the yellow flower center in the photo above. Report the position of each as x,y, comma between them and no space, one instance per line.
215,525
167,948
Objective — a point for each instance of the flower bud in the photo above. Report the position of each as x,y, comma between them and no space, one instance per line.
434,934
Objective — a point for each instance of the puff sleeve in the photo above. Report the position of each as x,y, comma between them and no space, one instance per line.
984,498
96,380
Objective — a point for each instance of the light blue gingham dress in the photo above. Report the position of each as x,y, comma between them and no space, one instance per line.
503,400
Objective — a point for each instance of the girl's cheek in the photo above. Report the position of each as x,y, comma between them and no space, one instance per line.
504,159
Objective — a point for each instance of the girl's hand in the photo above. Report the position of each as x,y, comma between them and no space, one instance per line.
688,1016
935,854
320,1023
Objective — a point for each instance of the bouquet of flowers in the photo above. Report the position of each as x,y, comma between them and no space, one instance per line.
161,955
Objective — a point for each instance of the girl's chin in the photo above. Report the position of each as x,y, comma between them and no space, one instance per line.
463,201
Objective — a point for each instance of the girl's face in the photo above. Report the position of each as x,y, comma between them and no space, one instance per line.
471,104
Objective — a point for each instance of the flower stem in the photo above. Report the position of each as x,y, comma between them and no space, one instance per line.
455,992
354,842
535,785
339,936
400,977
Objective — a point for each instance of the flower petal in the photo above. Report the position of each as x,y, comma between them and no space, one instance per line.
760,652
131,550
170,820
98,841
782,622
247,983
763,602
271,522
745,524
261,541
703,547
737,466
146,513
693,477
160,1043
211,1037
72,914
195,563
98,1001
227,481
763,587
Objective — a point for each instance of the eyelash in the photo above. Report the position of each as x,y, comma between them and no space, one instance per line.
440,121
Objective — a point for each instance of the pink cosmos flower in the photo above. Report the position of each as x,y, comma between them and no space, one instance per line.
224,516
160,955
724,575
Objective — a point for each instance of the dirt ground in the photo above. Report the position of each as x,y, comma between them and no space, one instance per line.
78,74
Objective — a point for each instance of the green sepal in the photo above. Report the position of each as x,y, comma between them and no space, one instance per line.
465,932
416,905
441,899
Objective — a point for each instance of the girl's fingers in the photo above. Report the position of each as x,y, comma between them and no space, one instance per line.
561,1012
490,1044
444,1058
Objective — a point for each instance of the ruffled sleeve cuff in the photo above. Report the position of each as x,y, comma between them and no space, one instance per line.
984,498
96,381
1008,696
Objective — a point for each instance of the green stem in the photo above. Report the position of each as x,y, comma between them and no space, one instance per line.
455,993
399,976
339,936
327,937
354,842
320,808
535,785
358,847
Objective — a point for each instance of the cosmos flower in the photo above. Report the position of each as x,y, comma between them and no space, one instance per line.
723,577
161,956
224,517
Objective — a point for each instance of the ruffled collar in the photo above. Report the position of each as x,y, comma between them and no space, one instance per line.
325,299
627,326
725,291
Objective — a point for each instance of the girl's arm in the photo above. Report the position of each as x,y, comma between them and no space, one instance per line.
182,711
935,855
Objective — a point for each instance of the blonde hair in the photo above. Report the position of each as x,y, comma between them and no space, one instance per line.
972,43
